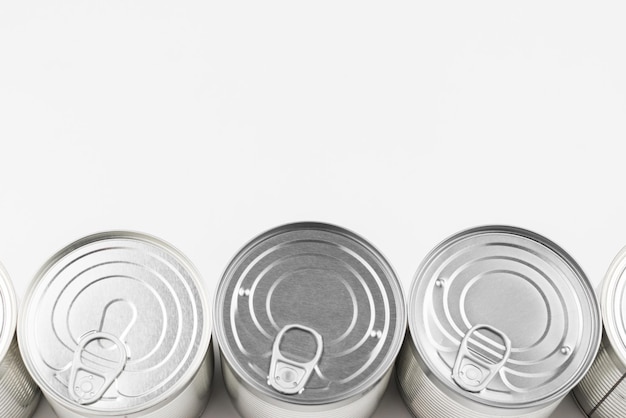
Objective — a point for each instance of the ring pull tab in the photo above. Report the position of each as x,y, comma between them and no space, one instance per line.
289,376
474,370
88,382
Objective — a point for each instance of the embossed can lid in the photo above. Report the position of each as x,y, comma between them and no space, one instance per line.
8,312
114,324
503,317
309,313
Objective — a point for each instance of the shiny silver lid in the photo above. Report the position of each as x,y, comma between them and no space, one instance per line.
614,305
504,317
8,312
309,313
114,324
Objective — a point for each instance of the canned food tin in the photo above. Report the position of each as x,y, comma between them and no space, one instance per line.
602,392
502,323
309,318
19,395
117,324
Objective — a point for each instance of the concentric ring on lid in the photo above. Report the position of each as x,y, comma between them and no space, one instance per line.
115,323
8,312
504,317
614,305
332,291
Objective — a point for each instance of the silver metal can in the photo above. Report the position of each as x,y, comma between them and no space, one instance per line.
602,392
19,395
118,324
309,318
502,323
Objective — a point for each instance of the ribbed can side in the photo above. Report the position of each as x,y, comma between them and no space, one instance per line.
425,400
602,392
597,383
19,395
614,406
249,404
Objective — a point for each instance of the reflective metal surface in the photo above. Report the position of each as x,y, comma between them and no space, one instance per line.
250,403
425,397
309,314
8,312
614,306
115,323
504,318
602,392
19,395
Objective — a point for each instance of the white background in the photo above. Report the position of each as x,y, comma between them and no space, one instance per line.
208,122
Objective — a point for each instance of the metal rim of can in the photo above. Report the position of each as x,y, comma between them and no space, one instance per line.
274,397
163,399
255,404
612,304
601,391
8,312
455,391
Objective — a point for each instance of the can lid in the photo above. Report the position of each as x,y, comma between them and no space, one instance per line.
504,317
614,305
115,323
8,312
309,313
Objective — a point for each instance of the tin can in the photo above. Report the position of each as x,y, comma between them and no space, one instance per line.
117,324
602,392
502,323
19,395
309,318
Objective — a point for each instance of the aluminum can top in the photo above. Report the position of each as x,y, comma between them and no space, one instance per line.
115,323
503,317
309,313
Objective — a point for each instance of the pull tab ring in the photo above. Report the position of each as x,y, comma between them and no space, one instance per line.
88,383
473,373
289,376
